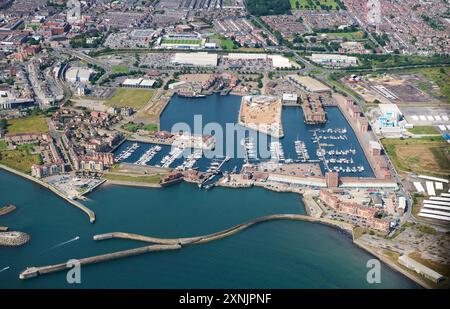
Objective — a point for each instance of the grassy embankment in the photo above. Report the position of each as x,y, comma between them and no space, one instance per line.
313,4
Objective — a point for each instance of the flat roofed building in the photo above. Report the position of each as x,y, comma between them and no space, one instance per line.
138,83
75,75
195,59
290,98
334,60
390,115
277,61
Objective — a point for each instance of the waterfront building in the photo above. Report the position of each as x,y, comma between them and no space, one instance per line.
290,98
97,162
313,110
375,148
45,170
332,179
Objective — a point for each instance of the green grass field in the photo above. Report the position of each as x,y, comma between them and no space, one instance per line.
227,44
224,42
133,127
430,155
31,124
20,159
120,69
134,98
154,179
423,130
181,41
313,4
2,145
356,35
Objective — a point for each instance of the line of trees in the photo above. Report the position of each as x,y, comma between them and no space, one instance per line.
268,7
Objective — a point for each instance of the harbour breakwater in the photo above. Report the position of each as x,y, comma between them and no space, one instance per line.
31,272
13,238
7,209
86,210
163,244
221,234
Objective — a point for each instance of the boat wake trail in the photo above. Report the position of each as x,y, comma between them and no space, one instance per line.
59,245
2,270
65,242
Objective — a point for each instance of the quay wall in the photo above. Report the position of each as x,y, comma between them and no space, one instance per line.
148,140
88,211
133,184
362,141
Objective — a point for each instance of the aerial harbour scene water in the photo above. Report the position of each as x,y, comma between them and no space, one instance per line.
137,210
224,144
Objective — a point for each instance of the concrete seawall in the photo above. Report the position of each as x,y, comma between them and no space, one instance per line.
89,212
132,184
32,272
162,244
222,234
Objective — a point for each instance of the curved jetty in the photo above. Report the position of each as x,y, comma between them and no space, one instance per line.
7,209
206,238
13,238
169,243
31,272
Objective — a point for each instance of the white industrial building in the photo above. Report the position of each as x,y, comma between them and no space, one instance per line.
195,59
80,75
277,61
334,60
138,83
297,180
290,98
